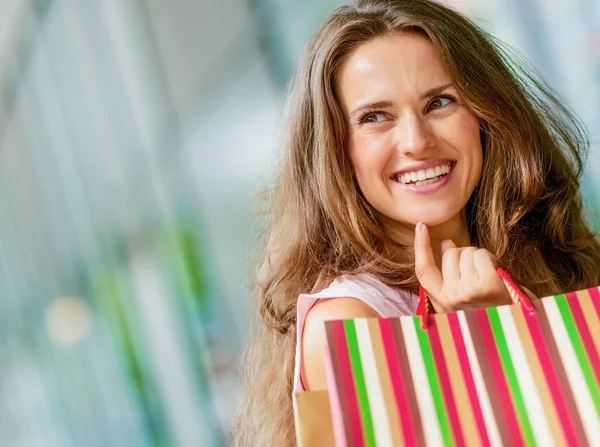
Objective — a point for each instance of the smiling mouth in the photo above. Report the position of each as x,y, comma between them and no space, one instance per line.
425,176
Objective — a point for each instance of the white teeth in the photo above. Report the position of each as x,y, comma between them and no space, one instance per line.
423,176
428,181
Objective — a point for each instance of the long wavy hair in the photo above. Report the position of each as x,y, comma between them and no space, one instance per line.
527,209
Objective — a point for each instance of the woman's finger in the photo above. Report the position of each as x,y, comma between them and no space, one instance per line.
468,271
427,272
450,264
489,279
446,245
485,263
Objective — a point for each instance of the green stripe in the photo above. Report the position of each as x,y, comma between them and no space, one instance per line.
434,383
511,376
586,367
359,382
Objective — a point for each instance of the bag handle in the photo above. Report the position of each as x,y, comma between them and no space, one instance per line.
424,309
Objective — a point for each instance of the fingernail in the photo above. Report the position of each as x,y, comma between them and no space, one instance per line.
419,227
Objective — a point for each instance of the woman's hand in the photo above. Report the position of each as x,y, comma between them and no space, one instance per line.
468,278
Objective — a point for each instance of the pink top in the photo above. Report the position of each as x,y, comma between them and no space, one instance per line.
385,300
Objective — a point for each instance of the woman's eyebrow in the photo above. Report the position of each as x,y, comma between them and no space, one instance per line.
383,104
372,105
435,90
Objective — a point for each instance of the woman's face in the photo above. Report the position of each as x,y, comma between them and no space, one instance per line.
415,147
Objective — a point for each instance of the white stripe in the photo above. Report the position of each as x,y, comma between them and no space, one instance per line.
379,416
429,419
583,398
484,400
535,410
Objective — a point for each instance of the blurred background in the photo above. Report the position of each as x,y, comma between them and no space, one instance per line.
133,134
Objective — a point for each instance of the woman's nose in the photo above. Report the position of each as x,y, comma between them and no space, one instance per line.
414,135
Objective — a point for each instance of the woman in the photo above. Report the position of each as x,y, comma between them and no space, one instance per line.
416,153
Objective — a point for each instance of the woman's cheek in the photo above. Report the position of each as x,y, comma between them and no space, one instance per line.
369,152
467,127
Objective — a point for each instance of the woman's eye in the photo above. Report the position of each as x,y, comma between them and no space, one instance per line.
373,118
438,103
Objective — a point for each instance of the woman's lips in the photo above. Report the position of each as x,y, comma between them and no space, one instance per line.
423,189
425,166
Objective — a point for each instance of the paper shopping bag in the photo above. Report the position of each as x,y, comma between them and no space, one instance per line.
522,374
312,418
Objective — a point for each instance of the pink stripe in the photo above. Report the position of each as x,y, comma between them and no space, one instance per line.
487,337
341,349
442,369
554,386
584,332
404,412
334,400
463,358
595,294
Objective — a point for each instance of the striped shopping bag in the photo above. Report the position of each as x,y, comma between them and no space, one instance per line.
522,374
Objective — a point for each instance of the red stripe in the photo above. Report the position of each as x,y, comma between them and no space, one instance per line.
345,370
391,353
499,379
339,415
595,295
584,332
408,379
442,369
463,358
554,383
486,373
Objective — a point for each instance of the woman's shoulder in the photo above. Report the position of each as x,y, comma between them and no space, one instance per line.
347,297
387,301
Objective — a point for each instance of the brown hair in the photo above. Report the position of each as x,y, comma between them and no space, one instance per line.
527,209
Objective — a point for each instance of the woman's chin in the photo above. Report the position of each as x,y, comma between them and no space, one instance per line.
412,221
